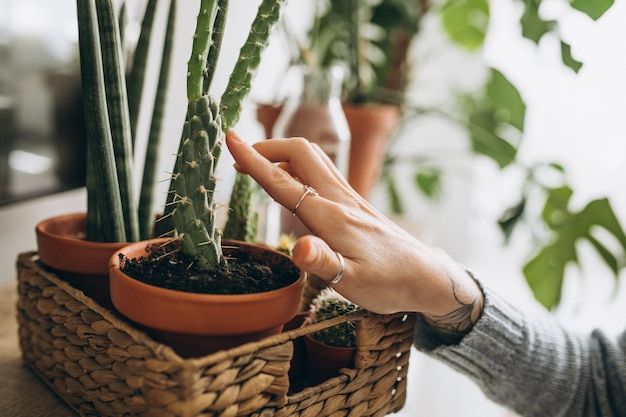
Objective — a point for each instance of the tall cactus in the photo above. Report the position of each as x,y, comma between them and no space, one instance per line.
193,183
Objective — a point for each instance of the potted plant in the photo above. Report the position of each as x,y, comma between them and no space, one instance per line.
77,246
146,271
493,117
333,348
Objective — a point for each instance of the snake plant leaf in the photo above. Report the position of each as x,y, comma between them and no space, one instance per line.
545,271
592,8
119,119
99,141
139,65
466,21
146,197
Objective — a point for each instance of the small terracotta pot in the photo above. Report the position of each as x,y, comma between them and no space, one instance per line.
324,361
370,126
267,114
83,264
198,324
298,366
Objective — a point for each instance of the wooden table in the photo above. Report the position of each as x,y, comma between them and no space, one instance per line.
22,394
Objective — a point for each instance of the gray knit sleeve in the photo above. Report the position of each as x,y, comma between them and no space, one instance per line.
534,366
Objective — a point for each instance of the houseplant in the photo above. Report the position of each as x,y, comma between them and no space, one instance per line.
333,348
493,117
75,245
196,242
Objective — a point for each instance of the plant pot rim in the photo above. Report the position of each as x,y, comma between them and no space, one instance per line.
58,235
46,228
191,305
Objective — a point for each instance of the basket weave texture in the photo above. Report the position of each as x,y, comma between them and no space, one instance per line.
102,365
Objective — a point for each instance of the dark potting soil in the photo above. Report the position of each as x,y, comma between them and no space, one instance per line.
238,275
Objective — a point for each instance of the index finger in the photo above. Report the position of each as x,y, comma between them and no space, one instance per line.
304,162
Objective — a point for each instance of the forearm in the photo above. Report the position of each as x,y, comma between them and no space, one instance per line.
533,365
449,328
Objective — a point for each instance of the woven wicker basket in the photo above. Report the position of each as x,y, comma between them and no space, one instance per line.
101,365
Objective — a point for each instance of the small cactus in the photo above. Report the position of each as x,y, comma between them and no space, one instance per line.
328,305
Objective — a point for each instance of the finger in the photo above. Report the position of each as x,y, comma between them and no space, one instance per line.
281,184
314,256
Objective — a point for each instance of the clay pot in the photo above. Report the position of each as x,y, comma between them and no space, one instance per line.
83,264
267,114
325,361
198,324
370,126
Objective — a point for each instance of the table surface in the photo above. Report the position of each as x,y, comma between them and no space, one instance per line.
22,394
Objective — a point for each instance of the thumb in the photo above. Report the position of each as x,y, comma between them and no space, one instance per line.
314,256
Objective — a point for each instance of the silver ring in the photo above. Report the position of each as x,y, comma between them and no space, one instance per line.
307,190
342,267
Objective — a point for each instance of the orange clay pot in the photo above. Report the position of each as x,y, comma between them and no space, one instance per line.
370,126
198,324
63,249
325,361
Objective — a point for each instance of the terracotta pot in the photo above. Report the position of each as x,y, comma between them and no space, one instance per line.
267,114
324,361
298,365
84,264
199,324
370,126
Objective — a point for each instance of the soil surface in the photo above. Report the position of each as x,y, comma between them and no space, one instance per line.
240,274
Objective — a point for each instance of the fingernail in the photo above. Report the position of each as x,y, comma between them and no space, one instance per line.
234,136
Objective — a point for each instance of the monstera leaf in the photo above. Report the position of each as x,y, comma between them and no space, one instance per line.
544,272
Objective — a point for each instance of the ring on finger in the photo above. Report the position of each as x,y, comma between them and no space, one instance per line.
308,190
342,268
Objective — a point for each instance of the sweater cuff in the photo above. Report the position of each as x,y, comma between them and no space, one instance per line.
498,333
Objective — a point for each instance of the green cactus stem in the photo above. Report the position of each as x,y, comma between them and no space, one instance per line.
240,81
328,305
242,222
192,188
200,49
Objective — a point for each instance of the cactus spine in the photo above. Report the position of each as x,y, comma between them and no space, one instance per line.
194,180
328,305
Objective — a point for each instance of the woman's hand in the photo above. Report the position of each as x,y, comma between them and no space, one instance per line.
386,269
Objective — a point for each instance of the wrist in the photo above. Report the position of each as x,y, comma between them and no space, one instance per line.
465,308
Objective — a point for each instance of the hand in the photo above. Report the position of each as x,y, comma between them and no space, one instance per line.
386,269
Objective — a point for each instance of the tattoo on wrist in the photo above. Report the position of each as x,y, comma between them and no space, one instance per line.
451,327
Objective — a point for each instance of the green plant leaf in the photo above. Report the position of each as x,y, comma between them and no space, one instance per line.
592,8
428,181
466,21
496,119
545,272
568,59
533,26
511,217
